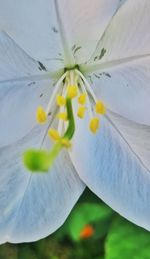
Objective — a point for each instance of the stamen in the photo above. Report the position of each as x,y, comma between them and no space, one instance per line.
56,90
100,108
87,86
40,160
81,112
88,100
72,91
60,100
66,143
54,134
61,125
66,89
94,125
41,115
62,116
82,99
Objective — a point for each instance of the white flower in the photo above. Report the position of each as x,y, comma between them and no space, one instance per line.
99,50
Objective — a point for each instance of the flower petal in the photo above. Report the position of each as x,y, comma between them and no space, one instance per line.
125,88
15,63
23,88
34,205
115,165
34,26
128,34
126,59
63,25
84,23
19,102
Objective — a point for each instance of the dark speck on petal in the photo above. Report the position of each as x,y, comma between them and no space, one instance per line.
41,66
54,29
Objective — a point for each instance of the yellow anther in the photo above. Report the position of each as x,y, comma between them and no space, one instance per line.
66,143
94,124
81,112
41,115
62,116
54,134
60,100
82,99
72,91
100,108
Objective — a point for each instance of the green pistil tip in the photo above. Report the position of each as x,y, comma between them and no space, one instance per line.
38,161
41,160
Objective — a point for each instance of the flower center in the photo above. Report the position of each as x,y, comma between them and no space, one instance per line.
72,96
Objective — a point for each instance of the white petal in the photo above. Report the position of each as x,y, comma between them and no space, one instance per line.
19,102
33,25
34,205
137,136
128,34
22,89
84,23
126,60
115,165
15,63
125,88
122,2
58,29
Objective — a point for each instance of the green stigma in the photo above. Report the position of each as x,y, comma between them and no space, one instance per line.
41,160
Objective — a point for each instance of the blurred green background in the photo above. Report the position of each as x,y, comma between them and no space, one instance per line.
92,231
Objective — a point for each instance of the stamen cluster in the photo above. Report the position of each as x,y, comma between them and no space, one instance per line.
72,90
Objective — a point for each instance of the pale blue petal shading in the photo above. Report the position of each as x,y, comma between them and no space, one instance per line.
115,165
32,206
123,68
128,33
35,26
19,102
15,63
84,23
125,88
23,87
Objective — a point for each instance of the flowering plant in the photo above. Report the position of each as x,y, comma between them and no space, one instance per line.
74,92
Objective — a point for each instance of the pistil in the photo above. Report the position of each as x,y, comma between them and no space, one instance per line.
71,87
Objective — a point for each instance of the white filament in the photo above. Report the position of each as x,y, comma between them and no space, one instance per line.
56,90
87,85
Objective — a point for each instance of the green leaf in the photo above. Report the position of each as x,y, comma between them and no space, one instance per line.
8,251
26,252
126,240
49,248
86,213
